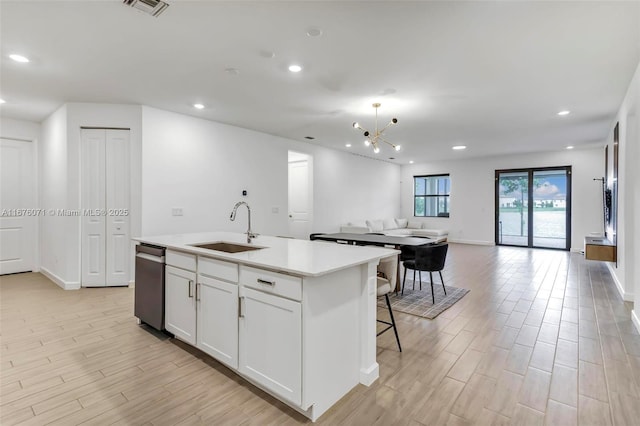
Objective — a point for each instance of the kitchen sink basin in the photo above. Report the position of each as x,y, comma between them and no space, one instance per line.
226,247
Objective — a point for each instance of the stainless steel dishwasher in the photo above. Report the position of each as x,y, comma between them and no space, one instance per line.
149,287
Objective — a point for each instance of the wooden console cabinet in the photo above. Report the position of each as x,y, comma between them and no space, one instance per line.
599,248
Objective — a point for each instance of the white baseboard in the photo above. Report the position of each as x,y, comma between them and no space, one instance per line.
473,242
132,284
65,285
635,319
370,374
626,295
577,250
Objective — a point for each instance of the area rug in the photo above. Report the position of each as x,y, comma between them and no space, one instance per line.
418,302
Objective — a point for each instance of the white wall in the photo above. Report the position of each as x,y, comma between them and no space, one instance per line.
19,129
627,274
203,166
351,188
60,182
54,247
472,217
102,116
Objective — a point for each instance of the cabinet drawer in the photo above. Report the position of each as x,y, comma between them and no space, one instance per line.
181,260
272,282
218,269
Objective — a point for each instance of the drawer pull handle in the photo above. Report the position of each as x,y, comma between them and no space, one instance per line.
267,282
190,291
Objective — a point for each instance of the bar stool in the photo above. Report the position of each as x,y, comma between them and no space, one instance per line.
387,267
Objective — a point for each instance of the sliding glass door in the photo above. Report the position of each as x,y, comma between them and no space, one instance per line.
513,208
533,207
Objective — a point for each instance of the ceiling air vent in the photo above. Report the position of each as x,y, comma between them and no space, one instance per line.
152,7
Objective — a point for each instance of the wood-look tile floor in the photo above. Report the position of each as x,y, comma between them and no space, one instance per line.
542,338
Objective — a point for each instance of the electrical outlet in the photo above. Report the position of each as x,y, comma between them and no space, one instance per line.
176,211
275,209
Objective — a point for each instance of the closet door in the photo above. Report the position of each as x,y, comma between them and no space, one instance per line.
94,202
105,207
117,218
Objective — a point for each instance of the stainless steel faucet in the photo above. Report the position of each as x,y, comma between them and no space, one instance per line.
250,234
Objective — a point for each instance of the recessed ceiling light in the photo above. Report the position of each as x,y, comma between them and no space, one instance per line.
348,145
2,101
459,147
314,32
570,147
19,58
410,161
295,68
198,106
565,112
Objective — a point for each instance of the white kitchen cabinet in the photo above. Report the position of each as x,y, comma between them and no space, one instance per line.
217,319
270,350
180,303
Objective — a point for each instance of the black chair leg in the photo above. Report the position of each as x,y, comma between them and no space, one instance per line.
420,278
404,278
443,287
433,298
393,322
414,279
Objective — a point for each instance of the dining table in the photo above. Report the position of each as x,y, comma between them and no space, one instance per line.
376,240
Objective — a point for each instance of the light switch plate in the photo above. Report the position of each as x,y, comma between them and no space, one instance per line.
176,211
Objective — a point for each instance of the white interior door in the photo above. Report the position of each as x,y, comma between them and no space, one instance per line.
117,219
105,207
299,199
93,203
17,205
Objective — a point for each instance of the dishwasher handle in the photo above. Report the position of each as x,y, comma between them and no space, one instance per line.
150,257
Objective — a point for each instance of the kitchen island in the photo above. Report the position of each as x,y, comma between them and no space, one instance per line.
296,318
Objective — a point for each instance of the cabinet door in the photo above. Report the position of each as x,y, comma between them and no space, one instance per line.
180,304
271,343
218,319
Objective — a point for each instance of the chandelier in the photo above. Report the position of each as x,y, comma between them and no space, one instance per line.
375,138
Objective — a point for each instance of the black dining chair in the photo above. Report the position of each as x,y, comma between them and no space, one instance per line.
429,258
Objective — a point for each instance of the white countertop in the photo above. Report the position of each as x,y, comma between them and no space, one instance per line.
298,257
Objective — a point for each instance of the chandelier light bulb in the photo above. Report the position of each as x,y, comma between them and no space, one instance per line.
376,149
356,125
397,147
366,142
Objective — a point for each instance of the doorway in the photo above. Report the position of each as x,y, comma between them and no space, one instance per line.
533,207
300,195
17,205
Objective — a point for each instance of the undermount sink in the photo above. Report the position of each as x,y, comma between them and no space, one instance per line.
226,247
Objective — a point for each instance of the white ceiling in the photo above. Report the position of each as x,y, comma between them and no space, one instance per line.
489,75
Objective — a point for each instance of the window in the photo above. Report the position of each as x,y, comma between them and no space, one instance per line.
431,195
